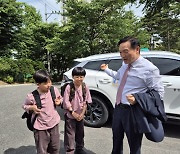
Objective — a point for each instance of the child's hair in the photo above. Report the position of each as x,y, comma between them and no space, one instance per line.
41,76
78,71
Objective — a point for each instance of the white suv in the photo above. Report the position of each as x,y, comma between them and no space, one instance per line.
103,88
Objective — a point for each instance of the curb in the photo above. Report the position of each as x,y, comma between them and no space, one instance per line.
14,85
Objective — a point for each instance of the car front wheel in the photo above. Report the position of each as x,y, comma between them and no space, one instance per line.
97,113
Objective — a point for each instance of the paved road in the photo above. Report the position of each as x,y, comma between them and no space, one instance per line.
15,138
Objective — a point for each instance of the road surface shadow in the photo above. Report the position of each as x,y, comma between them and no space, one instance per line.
32,150
21,150
172,130
61,112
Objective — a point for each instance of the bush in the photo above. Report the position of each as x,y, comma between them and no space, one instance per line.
31,80
20,70
8,79
19,78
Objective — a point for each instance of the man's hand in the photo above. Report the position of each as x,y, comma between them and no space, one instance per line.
104,66
131,99
35,109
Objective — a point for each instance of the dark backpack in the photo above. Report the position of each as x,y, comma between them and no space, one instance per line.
28,115
72,90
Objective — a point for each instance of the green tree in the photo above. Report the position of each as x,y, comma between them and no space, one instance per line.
18,25
43,34
152,7
10,22
94,27
25,38
17,21
164,28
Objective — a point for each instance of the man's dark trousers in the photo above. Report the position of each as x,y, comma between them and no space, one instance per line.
123,123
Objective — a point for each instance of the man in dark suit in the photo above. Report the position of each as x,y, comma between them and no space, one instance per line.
136,75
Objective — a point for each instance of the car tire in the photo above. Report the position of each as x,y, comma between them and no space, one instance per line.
97,113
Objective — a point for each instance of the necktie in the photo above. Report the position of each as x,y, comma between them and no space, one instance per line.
121,87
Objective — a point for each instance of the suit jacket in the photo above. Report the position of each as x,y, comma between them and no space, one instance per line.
148,114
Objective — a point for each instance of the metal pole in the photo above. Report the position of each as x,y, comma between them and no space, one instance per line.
48,54
63,11
47,15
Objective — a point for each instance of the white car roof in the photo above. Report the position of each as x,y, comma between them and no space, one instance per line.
115,55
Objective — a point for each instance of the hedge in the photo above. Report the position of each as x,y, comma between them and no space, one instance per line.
20,70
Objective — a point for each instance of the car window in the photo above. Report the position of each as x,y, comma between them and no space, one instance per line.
73,64
148,58
94,65
167,66
115,64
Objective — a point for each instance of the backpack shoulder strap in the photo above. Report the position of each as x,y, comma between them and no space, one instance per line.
53,95
37,98
72,91
84,90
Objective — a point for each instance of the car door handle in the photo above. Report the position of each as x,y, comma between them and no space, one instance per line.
105,81
167,84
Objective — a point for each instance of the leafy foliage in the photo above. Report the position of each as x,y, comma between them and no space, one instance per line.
152,7
165,28
94,27
18,70
10,22
91,27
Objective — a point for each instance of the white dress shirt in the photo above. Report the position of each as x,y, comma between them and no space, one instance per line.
143,75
